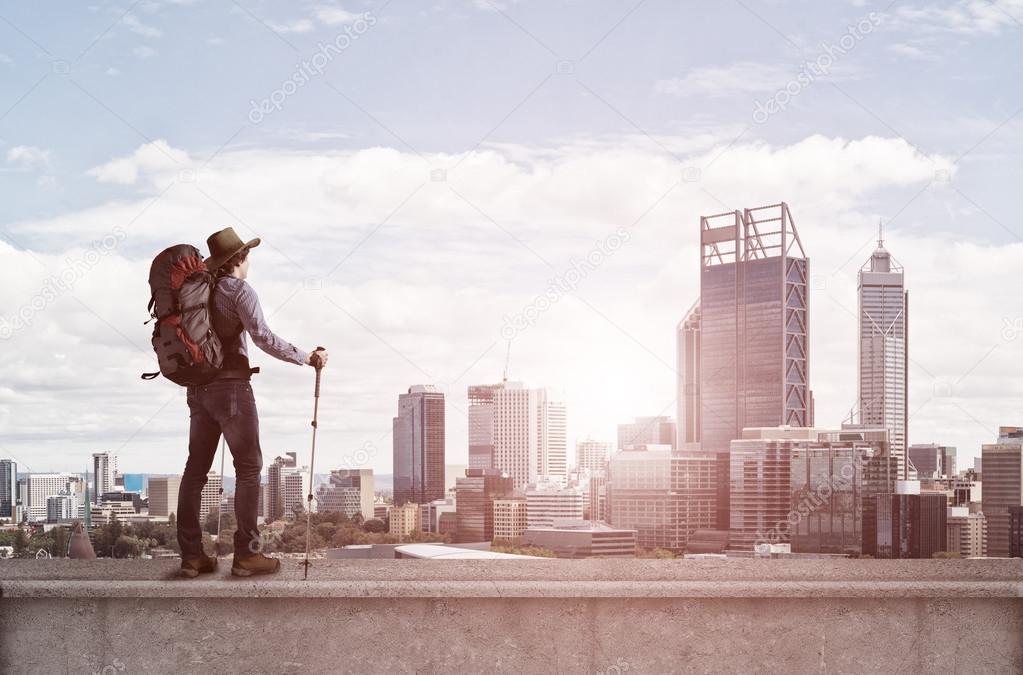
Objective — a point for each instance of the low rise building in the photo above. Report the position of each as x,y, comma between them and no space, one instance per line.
576,538
405,519
967,532
510,519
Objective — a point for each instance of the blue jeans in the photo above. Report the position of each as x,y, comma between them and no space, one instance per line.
226,407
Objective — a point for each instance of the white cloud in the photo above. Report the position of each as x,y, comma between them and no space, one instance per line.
292,26
215,41
428,279
332,16
144,52
113,72
152,159
736,78
135,25
912,51
28,157
968,17
5,59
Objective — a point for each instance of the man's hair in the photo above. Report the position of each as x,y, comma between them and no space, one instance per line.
234,261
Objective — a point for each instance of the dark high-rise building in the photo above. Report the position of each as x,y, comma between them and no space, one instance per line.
931,460
481,425
474,503
418,442
905,525
8,488
1016,531
753,346
1003,486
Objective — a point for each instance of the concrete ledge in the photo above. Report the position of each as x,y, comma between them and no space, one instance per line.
585,616
510,589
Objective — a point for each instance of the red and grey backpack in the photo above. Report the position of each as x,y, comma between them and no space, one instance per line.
187,348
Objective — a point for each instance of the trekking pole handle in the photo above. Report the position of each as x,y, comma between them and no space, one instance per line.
316,363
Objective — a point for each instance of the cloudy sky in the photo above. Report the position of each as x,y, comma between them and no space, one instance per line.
422,173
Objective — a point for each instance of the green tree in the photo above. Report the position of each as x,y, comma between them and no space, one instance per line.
326,530
946,555
127,547
227,522
374,525
60,540
534,551
20,544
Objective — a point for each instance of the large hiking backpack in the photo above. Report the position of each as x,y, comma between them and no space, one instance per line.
187,348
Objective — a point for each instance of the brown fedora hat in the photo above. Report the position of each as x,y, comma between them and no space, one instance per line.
223,245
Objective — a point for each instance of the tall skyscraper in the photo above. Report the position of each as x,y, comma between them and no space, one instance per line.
883,352
592,455
687,343
1003,486
481,425
8,489
163,495
418,443
104,471
530,435
753,358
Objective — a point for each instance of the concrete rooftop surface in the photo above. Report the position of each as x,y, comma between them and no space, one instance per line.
595,616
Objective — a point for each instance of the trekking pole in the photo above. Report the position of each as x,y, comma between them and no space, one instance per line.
315,361
220,502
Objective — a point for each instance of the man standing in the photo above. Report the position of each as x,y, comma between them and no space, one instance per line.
226,406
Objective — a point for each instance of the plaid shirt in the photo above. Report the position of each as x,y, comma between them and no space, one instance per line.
237,305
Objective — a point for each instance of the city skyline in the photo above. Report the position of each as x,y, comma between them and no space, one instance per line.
415,247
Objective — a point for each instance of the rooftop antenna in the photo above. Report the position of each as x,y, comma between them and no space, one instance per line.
880,234
507,358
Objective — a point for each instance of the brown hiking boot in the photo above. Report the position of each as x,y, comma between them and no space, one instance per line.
254,564
193,567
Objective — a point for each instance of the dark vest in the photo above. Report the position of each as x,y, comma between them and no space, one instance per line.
236,364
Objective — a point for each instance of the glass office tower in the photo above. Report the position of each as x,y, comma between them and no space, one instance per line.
754,347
